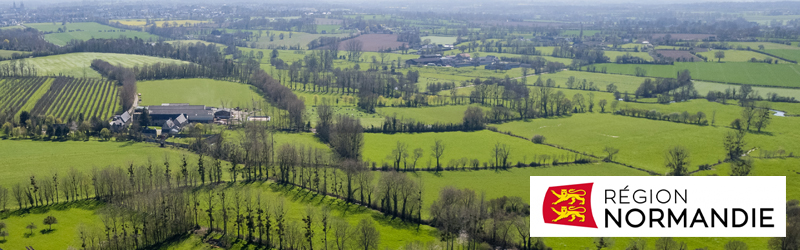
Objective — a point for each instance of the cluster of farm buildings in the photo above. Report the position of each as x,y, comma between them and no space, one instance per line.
173,117
464,60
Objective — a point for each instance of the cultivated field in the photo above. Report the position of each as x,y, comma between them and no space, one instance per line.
85,31
375,42
680,55
78,64
16,92
783,75
73,97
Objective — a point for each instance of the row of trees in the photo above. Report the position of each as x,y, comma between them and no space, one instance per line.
125,78
698,118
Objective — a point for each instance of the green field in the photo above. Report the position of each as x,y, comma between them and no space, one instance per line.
8,53
85,31
612,55
23,158
64,234
511,182
78,64
578,32
623,82
198,91
643,142
703,88
783,75
791,54
428,115
458,145
440,39
789,167
297,38
737,56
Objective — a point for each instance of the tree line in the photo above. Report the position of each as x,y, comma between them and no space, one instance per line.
125,78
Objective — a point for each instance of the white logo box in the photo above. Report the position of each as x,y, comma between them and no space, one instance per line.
703,192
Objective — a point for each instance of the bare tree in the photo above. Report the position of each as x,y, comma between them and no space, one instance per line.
354,49
366,236
341,233
677,159
399,154
610,152
438,151
415,157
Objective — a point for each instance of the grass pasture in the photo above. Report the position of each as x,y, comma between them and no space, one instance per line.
782,75
297,38
85,31
703,88
791,54
458,145
511,182
428,115
440,39
623,82
9,53
197,91
70,217
737,56
643,142
23,158
78,64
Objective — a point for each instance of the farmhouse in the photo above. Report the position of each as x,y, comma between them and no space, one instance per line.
120,121
168,111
